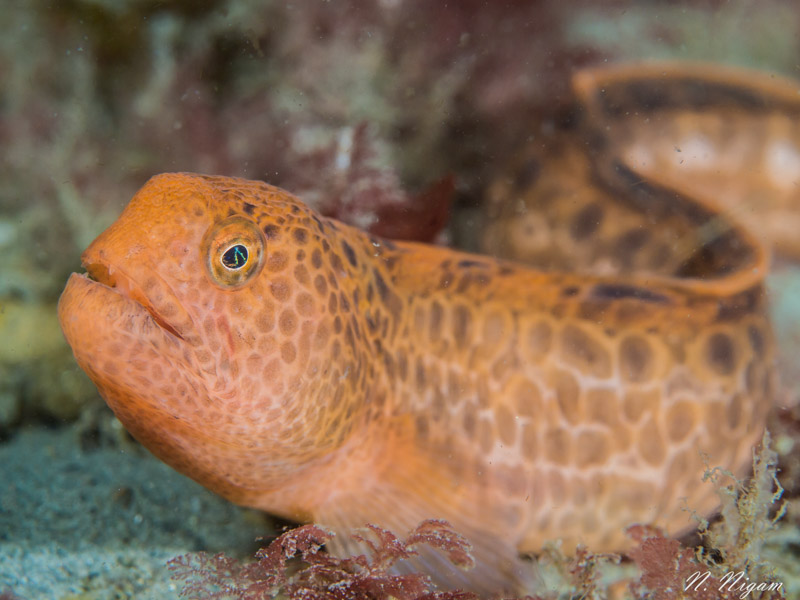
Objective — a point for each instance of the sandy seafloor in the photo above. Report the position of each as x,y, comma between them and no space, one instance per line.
101,523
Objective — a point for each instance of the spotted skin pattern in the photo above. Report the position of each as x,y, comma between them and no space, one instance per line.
346,379
726,135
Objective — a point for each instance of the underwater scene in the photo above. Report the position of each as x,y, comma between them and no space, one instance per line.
395,299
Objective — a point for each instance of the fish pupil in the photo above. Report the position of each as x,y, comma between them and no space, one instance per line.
235,257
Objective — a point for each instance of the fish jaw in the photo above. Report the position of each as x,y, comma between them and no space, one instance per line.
112,335
113,309
151,400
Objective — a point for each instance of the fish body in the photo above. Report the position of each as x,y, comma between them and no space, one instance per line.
298,365
727,135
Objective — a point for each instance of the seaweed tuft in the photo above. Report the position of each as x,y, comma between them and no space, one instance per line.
729,564
322,576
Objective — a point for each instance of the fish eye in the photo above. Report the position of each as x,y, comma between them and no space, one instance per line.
234,252
235,257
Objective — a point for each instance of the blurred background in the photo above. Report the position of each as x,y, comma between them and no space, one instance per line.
394,115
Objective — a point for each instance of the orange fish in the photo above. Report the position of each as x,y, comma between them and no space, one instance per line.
298,365
728,135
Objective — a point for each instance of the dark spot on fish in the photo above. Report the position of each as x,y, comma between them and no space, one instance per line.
701,94
437,316
271,231
466,264
356,327
249,208
320,285
420,375
463,283
300,235
344,302
461,322
316,258
334,283
570,291
383,290
349,253
586,222
733,309
611,291
721,353
336,263
388,362
629,243
390,261
402,364
647,95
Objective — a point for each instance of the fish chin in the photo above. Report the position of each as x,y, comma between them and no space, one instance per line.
85,299
99,321
126,353
113,338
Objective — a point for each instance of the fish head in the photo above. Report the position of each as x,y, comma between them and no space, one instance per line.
204,320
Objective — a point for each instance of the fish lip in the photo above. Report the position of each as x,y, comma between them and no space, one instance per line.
116,280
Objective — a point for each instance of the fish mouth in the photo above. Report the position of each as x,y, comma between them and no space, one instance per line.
116,280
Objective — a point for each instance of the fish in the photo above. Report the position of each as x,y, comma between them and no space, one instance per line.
725,136
301,366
